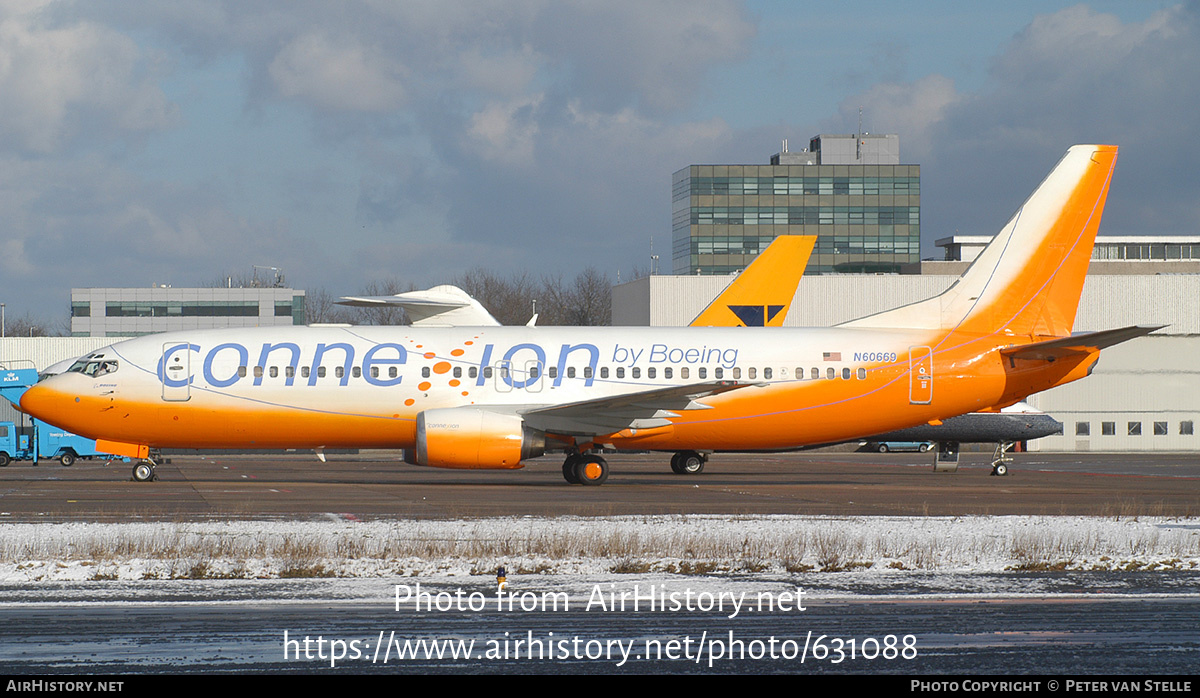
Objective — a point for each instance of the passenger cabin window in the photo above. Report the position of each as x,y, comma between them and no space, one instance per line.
604,371
289,371
620,371
458,371
667,373
274,372
487,371
767,373
816,373
846,374
392,372
1185,428
320,371
570,372
862,374
650,372
702,373
554,371
374,371
752,373
241,371
587,371
737,372
683,372
636,372
718,372
424,371
472,372
304,371
830,374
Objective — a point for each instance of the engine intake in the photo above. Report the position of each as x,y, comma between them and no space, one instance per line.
465,437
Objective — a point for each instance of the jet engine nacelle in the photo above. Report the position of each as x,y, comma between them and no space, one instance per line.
465,437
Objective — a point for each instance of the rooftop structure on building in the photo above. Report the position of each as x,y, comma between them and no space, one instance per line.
1112,254
131,312
849,190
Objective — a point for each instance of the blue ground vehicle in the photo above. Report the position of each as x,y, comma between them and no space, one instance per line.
44,442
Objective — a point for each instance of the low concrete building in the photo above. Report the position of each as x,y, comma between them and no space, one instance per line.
132,312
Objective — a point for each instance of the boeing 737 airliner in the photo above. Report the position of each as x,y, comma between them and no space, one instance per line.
491,396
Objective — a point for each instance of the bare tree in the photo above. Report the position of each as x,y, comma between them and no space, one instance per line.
29,326
590,300
510,300
319,307
585,300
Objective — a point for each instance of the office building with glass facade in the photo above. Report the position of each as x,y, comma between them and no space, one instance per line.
849,191
131,312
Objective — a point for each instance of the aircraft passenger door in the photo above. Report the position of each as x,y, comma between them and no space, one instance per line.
533,376
176,372
504,377
920,375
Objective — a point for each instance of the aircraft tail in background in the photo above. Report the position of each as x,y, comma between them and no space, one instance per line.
762,294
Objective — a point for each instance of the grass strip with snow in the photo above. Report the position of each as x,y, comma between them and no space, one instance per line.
702,545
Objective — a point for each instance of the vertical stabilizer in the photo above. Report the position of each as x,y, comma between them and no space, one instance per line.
762,294
1027,281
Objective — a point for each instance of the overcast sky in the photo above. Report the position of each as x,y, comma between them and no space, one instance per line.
147,142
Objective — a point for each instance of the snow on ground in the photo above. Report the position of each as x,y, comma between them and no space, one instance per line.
709,546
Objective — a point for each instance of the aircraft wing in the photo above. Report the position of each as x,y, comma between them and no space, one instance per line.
641,410
1085,343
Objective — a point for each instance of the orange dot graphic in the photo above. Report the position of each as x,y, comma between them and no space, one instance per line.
441,367
454,383
429,355
457,352
465,393
409,402
468,343
424,386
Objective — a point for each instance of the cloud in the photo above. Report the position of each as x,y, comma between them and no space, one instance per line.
507,131
337,75
1073,76
74,79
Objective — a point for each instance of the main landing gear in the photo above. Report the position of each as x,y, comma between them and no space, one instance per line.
143,471
1001,459
589,469
688,462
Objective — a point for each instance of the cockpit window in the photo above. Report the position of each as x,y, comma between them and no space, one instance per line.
92,367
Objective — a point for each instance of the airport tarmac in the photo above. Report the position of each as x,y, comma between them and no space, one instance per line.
379,485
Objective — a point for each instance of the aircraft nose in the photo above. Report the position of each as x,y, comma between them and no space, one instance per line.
46,402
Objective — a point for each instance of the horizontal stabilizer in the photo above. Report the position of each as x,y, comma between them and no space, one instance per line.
440,306
1085,343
